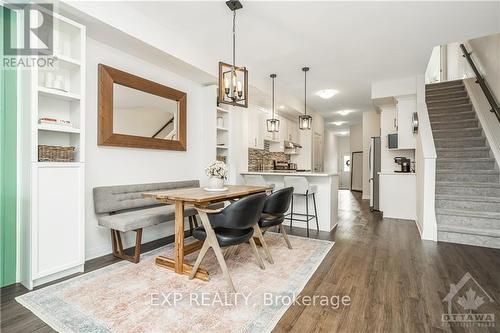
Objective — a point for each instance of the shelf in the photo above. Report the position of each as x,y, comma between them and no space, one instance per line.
219,109
58,164
58,128
222,129
221,147
68,60
58,94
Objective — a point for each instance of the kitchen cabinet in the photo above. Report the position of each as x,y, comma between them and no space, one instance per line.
255,129
406,106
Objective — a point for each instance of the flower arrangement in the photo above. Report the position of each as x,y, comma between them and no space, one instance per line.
217,169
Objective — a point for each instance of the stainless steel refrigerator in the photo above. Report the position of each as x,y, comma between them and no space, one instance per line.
374,169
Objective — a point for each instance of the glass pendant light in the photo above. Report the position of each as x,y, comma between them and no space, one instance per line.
233,80
273,124
305,120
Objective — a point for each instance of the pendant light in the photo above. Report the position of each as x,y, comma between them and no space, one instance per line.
273,124
233,80
305,120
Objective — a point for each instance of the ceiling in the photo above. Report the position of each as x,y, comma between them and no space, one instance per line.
347,45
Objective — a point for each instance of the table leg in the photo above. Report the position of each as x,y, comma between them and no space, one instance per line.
179,237
177,263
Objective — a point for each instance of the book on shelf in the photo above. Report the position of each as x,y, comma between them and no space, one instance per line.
54,121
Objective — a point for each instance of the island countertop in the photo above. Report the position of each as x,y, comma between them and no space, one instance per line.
325,197
289,173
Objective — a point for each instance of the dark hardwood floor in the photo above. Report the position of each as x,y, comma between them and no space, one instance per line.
396,282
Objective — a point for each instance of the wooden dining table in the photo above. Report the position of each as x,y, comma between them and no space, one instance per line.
200,197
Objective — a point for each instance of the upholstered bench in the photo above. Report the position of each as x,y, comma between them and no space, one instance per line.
123,208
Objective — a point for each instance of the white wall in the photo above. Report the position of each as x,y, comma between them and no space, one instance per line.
356,137
356,145
486,54
116,165
332,153
371,128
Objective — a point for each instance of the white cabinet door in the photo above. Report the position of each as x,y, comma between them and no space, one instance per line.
255,139
58,229
405,108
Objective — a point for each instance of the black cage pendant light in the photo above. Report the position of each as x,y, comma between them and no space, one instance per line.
305,120
273,124
233,80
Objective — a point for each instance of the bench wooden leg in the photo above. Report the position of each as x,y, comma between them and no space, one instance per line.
116,241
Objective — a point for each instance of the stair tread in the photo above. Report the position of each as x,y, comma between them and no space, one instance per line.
459,139
466,159
473,198
462,148
445,83
469,184
468,213
456,129
435,107
462,113
491,232
453,121
475,172
451,100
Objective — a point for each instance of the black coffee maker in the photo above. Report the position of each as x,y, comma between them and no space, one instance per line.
405,164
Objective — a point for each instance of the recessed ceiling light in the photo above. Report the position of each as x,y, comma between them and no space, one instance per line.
338,123
327,93
282,107
344,112
343,133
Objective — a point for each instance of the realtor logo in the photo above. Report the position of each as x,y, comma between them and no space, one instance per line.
464,302
37,24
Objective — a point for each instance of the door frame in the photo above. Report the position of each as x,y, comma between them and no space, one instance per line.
352,163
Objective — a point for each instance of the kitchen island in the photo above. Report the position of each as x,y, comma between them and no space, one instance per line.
326,196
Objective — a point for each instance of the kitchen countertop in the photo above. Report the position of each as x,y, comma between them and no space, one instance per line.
289,173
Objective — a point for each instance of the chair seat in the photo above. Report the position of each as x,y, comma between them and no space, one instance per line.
271,220
311,189
142,218
225,237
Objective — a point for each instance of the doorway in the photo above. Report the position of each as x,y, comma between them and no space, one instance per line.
357,171
345,171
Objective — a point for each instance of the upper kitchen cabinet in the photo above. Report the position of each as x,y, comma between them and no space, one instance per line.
255,128
405,107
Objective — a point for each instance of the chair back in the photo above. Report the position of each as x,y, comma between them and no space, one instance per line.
256,180
279,201
299,184
241,214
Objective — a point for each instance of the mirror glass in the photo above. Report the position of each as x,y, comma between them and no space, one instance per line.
139,113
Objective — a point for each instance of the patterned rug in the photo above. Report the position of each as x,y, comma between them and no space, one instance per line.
126,297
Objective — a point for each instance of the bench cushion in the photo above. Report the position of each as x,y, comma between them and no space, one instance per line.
108,199
142,218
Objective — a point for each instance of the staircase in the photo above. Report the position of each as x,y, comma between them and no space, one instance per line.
467,176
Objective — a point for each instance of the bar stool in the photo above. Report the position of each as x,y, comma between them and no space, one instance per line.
257,180
302,188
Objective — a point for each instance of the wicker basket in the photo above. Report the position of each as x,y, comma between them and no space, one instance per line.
56,154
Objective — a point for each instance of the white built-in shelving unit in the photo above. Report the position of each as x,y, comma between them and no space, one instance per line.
51,217
223,126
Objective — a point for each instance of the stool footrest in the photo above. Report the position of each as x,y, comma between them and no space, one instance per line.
311,217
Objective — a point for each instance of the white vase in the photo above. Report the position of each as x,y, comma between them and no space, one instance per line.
215,183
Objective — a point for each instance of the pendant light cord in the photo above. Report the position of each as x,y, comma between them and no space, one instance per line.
273,97
305,92
234,40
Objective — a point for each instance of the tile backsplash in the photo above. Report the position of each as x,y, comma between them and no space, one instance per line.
257,157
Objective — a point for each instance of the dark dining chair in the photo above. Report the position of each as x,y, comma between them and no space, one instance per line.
229,226
273,213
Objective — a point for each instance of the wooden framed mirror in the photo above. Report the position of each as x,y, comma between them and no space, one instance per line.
135,112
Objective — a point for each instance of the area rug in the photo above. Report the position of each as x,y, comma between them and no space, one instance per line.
126,297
